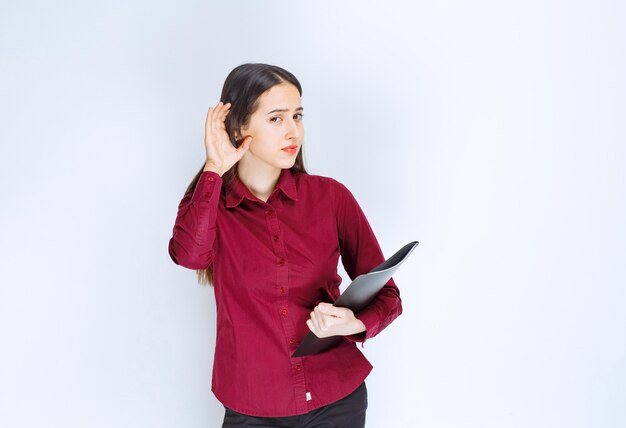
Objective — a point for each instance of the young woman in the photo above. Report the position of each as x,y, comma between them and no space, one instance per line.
268,236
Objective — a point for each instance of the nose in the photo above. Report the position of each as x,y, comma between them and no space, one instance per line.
293,130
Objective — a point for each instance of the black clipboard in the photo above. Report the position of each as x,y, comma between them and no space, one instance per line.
356,297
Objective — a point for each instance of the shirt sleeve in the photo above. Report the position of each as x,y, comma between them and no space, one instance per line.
194,232
360,253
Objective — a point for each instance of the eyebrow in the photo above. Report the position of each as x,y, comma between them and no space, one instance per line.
283,110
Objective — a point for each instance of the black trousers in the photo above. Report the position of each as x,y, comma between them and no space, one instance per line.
349,412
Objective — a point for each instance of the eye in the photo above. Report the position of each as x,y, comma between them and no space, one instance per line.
298,116
276,119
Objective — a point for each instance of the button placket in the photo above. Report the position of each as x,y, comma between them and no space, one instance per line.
282,303
282,262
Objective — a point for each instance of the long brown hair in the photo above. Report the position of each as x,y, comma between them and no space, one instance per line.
242,88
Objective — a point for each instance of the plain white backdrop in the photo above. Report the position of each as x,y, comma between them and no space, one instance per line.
492,132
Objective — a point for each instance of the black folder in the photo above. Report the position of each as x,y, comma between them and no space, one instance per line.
357,296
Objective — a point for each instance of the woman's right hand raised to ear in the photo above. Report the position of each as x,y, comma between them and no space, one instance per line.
221,155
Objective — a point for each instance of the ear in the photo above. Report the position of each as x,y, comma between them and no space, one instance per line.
237,137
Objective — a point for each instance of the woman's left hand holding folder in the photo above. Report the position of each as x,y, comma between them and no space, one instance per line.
327,320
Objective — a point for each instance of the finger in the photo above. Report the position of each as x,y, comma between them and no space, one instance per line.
333,311
223,113
220,111
321,318
216,117
313,319
217,113
209,118
309,324
316,324
208,127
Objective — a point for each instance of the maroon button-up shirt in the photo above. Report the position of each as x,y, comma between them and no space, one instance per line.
273,262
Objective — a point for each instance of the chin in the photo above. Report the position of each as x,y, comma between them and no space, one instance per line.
287,164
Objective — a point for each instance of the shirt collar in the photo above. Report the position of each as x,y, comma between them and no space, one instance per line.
238,191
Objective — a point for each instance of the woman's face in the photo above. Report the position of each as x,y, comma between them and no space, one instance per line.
276,128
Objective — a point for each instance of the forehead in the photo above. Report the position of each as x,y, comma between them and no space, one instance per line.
284,95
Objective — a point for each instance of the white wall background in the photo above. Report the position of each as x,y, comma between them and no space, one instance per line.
493,132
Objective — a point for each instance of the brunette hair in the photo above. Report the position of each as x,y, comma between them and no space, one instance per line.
242,88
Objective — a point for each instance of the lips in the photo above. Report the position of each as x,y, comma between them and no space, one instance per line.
290,149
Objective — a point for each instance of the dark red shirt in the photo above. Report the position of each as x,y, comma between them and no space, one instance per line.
273,262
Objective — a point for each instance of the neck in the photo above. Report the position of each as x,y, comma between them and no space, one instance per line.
259,179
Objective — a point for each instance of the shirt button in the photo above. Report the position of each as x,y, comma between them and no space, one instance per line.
292,340
297,367
282,290
269,212
281,261
275,238
283,311
211,179
207,194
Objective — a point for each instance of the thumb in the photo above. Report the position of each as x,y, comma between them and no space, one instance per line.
245,144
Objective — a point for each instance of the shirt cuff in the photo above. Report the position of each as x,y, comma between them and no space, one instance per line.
370,319
208,187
